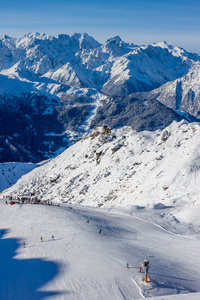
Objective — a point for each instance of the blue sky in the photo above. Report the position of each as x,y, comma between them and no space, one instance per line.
137,21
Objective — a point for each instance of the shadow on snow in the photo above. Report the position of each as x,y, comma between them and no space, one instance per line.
21,279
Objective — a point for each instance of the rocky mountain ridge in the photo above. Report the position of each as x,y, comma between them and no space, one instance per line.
122,168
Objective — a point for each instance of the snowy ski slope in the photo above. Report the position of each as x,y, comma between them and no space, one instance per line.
80,263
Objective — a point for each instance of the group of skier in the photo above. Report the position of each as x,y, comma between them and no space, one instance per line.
88,221
41,239
145,266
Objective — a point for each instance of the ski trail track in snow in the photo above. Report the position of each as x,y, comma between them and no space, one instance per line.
84,264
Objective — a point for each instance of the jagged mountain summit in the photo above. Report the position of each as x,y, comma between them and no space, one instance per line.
182,94
53,89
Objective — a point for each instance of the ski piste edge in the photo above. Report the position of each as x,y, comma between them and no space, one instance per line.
142,287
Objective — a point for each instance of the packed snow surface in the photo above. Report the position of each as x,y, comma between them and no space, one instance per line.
74,261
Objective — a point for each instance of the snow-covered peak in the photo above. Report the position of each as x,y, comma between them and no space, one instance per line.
84,41
31,39
32,35
181,93
115,39
162,44
118,42
116,47
8,41
37,35
177,51
64,39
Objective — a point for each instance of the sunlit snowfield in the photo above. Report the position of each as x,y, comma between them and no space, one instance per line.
79,263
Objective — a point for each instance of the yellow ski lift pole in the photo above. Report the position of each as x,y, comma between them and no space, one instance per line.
146,266
145,277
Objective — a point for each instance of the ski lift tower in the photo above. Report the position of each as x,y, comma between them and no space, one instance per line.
146,267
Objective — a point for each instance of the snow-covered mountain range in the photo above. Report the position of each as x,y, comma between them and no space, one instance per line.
137,179
53,89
